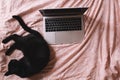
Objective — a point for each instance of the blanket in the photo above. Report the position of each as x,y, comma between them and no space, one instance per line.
97,57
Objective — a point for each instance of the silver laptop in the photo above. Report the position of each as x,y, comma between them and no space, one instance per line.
64,25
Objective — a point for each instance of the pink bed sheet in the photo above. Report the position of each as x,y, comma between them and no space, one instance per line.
96,58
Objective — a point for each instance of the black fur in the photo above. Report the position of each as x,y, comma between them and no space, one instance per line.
35,50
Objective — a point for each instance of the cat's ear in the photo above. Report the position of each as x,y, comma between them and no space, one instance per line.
7,73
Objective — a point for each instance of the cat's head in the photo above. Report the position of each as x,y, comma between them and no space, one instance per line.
12,69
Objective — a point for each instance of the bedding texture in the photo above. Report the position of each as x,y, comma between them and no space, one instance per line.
97,57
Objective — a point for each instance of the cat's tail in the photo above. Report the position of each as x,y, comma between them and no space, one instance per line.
21,22
25,27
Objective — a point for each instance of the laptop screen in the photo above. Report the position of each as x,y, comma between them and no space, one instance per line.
63,11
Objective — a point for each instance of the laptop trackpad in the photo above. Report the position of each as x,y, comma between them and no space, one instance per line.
68,37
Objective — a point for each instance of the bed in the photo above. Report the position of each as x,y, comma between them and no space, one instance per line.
97,57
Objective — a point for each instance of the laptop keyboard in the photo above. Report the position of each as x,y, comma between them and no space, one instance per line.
63,24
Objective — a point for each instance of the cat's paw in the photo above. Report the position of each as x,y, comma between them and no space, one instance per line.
4,41
13,62
7,53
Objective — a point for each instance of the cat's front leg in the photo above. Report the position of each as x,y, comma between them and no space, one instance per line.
10,50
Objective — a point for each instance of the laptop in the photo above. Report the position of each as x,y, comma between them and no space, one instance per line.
63,25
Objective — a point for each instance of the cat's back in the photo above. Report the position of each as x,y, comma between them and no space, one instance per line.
35,44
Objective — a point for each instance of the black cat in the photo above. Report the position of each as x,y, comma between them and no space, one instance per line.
35,50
